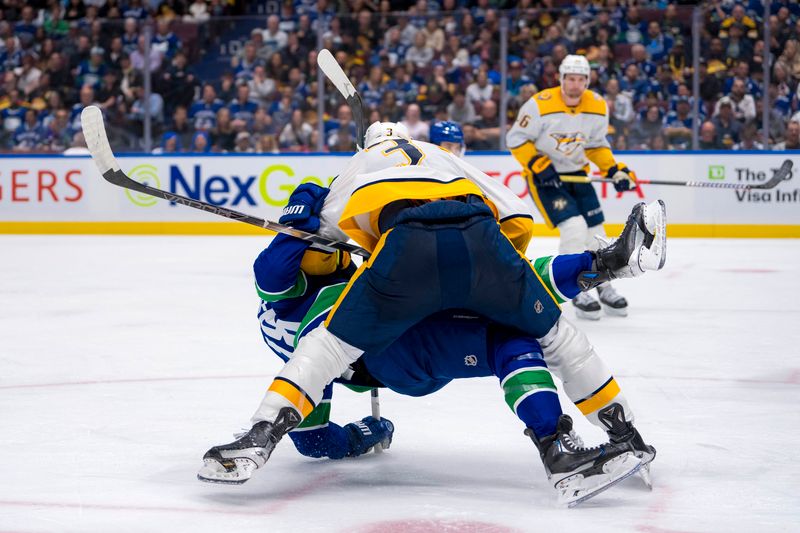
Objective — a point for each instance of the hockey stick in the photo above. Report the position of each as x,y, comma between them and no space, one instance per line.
782,174
333,71
97,141
327,63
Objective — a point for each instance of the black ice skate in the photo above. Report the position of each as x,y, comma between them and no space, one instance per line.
641,246
622,432
580,473
612,302
586,306
234,463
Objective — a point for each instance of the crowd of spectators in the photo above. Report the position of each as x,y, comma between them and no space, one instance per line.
413,62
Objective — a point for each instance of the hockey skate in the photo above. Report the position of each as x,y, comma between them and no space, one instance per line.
623,433
586,307
641,246
611,301
234,463
580,473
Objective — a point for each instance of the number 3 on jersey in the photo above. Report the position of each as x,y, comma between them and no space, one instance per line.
408,149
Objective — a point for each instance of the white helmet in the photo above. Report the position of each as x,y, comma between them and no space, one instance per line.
574,64
381,131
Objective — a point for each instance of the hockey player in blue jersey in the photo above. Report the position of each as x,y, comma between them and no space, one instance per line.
560,273
325,356
297,286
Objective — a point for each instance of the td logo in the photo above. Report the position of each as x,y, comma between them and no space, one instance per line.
716,172
146,175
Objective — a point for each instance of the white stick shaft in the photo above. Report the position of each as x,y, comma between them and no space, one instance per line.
376,412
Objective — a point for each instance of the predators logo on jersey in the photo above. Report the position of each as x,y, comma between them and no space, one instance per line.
567,143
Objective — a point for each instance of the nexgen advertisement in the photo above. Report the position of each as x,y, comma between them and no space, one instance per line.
55,194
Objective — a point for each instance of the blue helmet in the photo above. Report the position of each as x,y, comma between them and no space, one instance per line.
446,131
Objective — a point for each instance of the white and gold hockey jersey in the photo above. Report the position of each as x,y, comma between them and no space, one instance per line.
569,136
398,169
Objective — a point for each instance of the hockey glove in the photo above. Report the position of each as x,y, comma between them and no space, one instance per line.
368,432
305,204
623,177
544,174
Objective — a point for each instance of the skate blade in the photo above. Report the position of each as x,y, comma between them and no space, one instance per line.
644,473
213,472
655,218
577,489
613,311
588,315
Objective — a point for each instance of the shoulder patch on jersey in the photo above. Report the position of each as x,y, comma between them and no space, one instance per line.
593,103
550,101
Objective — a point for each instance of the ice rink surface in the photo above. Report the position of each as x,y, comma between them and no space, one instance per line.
122,359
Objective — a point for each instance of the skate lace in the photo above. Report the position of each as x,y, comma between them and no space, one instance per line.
576,438
574,441
604,242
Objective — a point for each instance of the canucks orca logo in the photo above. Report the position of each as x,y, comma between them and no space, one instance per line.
567,143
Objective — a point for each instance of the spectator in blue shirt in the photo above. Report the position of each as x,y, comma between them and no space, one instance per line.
742,72
393,47
243,108
678,125
246,63
281,111
344,120
26,29
134,9
516,79
130,37
373,88
30,135
656,43
165,41
646,67
632,28
404,89
203,113
11,56
632,83
91,72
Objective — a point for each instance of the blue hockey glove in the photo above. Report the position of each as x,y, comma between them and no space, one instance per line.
544,174
304,206
623,177
368,432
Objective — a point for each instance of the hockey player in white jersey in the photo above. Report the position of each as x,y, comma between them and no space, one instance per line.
442,235
559,131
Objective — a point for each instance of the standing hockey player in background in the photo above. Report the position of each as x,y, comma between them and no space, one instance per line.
559,131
